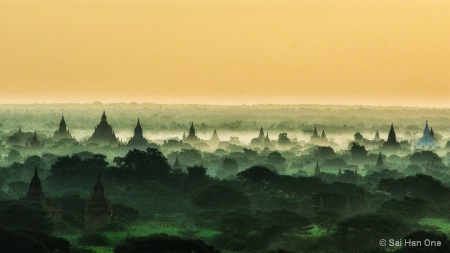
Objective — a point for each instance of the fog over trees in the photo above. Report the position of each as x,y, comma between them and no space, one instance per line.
197,178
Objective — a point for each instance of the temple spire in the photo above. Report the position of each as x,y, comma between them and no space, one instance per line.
103,119
138,139
315,131
35,192
380,163
377,136
261,134
192,130
215,137
317,169
103,133
392,139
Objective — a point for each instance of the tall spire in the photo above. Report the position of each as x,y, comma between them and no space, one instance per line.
432,134
192,130
138,130
324,136
380,163
176,165
392,137
103,120
138,139
35,192
261,134
99,190
315,131
427,140
215,137
98,209
317,169
62,125
377,136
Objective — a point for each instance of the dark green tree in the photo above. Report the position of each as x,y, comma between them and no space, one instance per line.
138,165
221,197
257,174
283,139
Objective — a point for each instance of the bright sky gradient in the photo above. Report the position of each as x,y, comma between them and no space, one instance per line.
374,52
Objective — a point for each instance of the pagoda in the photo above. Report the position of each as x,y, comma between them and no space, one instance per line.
35,192
392,139
191,137
98,210
317,169
35,143
380,163
267,140
62,132
103,133
377,136
215,137
261,134
427,140
315,137
176,165
138,139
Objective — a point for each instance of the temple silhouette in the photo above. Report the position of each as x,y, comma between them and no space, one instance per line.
36,194
104,133
380,163
62,132
319,139
98,210
34,142
215,137
138,139
317,169
315,137
260,139
427,141
392,139
192,137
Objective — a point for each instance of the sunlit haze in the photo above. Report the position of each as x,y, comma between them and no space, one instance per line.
379,52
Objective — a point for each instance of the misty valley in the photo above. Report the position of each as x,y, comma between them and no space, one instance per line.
131,177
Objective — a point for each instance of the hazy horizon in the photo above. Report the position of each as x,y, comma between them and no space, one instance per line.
227,104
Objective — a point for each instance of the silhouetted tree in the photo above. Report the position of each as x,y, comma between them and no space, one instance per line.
221,197
411,208
324,152
358,152
13,241
257,174
163,243
229,167
196,173
362,232
138,165
276,159
358,137
283,139
26,215
13,156
422,186
427,157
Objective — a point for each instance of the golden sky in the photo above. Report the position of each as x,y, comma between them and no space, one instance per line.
393,52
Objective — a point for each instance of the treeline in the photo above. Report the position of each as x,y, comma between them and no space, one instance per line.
254,210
